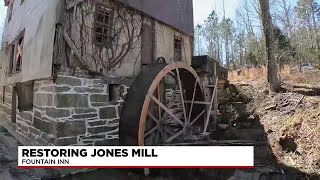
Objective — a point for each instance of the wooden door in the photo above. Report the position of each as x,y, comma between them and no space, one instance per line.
147,56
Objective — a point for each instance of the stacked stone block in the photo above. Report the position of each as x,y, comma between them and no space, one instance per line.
70,111
5,103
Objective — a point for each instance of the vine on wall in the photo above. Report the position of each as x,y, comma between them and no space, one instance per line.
83,51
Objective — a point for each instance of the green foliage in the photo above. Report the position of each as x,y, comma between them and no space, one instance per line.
257,50
226,28
285,53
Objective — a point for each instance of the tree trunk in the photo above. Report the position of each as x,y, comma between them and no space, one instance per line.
226,47
273,80
315,31
218,46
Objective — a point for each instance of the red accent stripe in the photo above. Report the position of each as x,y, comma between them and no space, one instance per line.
139,167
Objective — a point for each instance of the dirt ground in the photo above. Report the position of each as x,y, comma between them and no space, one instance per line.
9,161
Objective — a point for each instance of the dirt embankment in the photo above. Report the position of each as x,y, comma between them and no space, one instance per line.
291,119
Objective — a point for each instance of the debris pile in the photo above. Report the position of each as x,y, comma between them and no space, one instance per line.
285,102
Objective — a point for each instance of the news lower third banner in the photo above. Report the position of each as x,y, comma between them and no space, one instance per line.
136,157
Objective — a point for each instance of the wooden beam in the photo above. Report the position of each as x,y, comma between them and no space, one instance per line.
174,136
193,96
197,102
73,3
181,93
14,105
196,119
74,48
210,107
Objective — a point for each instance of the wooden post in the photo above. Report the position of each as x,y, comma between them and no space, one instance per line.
3,94
215,101
14,105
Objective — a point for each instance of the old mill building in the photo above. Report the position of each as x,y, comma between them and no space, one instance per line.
67,64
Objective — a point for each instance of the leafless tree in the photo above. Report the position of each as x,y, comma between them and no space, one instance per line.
273,80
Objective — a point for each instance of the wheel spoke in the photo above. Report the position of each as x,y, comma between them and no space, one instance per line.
162,133
193,96
159,109
151,131
196,119
174,136
166,109
157,136
168,131
181,93
153,118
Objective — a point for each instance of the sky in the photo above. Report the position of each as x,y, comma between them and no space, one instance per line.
3,12
201,8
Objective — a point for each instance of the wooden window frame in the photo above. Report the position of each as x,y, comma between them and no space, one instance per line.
177,52
107,36
13,50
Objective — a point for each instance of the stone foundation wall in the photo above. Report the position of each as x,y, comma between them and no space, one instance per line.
5,104
70,111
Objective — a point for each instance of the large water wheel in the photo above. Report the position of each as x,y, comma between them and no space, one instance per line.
163,106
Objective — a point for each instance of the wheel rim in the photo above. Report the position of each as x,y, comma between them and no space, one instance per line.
165,119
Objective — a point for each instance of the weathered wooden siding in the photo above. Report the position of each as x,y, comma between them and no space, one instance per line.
3,64
122,57
165,43
38,18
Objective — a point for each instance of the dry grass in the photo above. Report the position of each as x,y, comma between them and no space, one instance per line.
247,74
255,74
310,78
